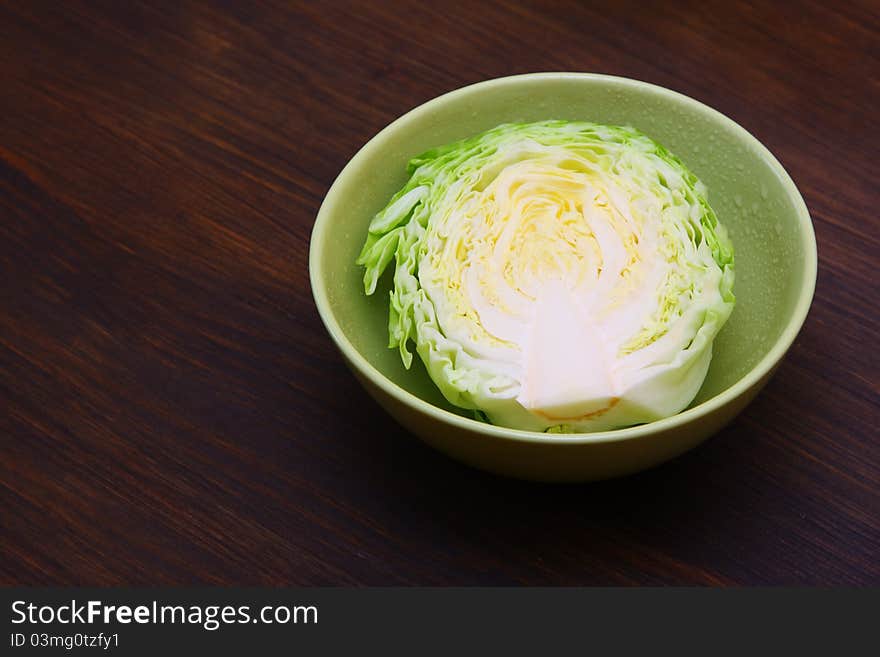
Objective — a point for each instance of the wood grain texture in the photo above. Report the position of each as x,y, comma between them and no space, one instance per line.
171,409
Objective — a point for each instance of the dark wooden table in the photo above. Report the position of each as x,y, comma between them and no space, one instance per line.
171,409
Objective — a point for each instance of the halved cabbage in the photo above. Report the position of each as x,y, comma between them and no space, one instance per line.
555,276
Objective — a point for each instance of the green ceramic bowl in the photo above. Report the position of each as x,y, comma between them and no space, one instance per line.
748,188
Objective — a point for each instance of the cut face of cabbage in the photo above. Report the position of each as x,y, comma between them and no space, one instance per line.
555,276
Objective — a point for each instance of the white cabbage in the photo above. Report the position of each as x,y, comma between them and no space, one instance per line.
555,276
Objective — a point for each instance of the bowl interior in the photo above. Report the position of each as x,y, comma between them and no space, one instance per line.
748,189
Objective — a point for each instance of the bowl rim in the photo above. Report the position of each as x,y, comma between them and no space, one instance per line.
764,367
